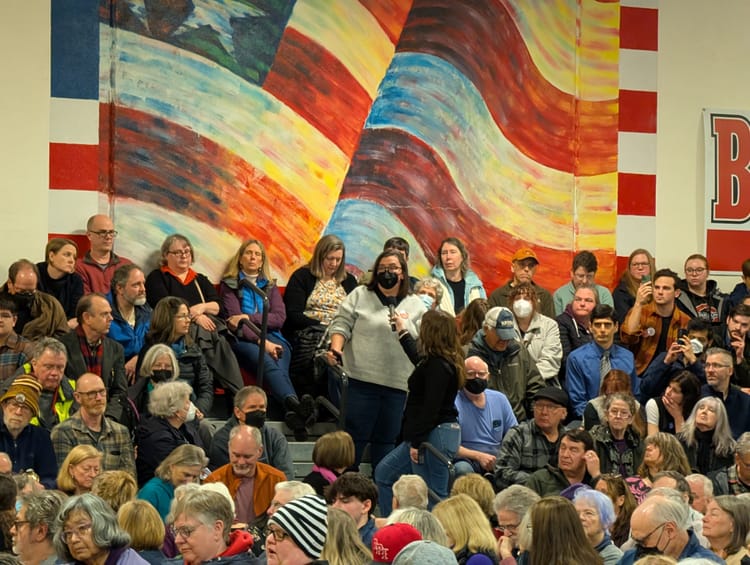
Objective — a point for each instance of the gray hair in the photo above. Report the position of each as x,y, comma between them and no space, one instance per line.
185,455
411,491
105,531
296,489
705,482
207,507
153,353
42,508
422,520
254,433
722,442
168,398
670,508
47,343
433,283
241,397
517,499
720,351
742,447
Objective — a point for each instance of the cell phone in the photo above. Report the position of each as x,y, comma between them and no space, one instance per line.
645,279
681,334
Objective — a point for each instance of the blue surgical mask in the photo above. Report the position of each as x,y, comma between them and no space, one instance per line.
427,299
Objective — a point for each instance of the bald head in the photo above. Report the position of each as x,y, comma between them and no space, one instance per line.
475,363
91,395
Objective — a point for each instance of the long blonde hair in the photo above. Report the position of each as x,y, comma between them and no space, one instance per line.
233,267
465,523
343,545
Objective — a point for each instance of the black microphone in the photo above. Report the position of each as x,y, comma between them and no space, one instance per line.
392,312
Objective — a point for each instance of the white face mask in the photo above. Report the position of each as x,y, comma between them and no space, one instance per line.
190,413
522,308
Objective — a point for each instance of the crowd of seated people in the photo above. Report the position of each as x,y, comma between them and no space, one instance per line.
576,406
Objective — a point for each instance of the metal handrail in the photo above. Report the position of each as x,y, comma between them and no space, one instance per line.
339,412
427,446
259,331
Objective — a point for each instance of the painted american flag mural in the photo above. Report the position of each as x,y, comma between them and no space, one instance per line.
500,122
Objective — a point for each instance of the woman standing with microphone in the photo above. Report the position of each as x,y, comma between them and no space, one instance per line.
365,342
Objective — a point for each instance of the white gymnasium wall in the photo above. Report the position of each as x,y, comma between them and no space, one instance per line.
24,129
703,48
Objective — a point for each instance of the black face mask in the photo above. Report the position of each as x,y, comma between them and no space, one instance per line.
161,375
643,551
476,386
23,298
386,279
256,418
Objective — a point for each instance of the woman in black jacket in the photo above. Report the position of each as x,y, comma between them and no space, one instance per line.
430,414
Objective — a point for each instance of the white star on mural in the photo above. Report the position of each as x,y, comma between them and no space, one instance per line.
217,14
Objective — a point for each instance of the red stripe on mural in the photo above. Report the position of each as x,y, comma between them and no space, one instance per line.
636,194
392,168
638,111
639,28
194,176
73,166
549,125
314,83
82,241
391,15
724,249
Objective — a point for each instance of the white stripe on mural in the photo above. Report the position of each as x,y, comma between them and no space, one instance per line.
74,121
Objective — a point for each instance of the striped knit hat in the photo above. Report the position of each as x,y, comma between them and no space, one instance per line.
305,519
24,389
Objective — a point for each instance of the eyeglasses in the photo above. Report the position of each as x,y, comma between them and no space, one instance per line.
716,366
475,374
180,253
184,531
639,265
507,527
394,270
620,413
546,407
105,233
278,535
19,523
648,535
79,531
92,394
18,402
696,271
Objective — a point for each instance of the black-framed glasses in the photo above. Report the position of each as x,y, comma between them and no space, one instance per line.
92,394
278,535
648,535
79,531
105,233
18,523
180,252
508,527
393,270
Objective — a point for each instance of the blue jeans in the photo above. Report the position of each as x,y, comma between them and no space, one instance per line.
373,415
463,467
445,438
275,373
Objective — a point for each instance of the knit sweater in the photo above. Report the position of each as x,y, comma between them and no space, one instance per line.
372,352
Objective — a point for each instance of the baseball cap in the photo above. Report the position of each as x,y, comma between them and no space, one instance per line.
525,253
389,540
501,320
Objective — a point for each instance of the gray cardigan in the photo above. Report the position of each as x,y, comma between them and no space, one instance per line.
372,352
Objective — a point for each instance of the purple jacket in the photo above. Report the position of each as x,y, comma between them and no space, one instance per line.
229,291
